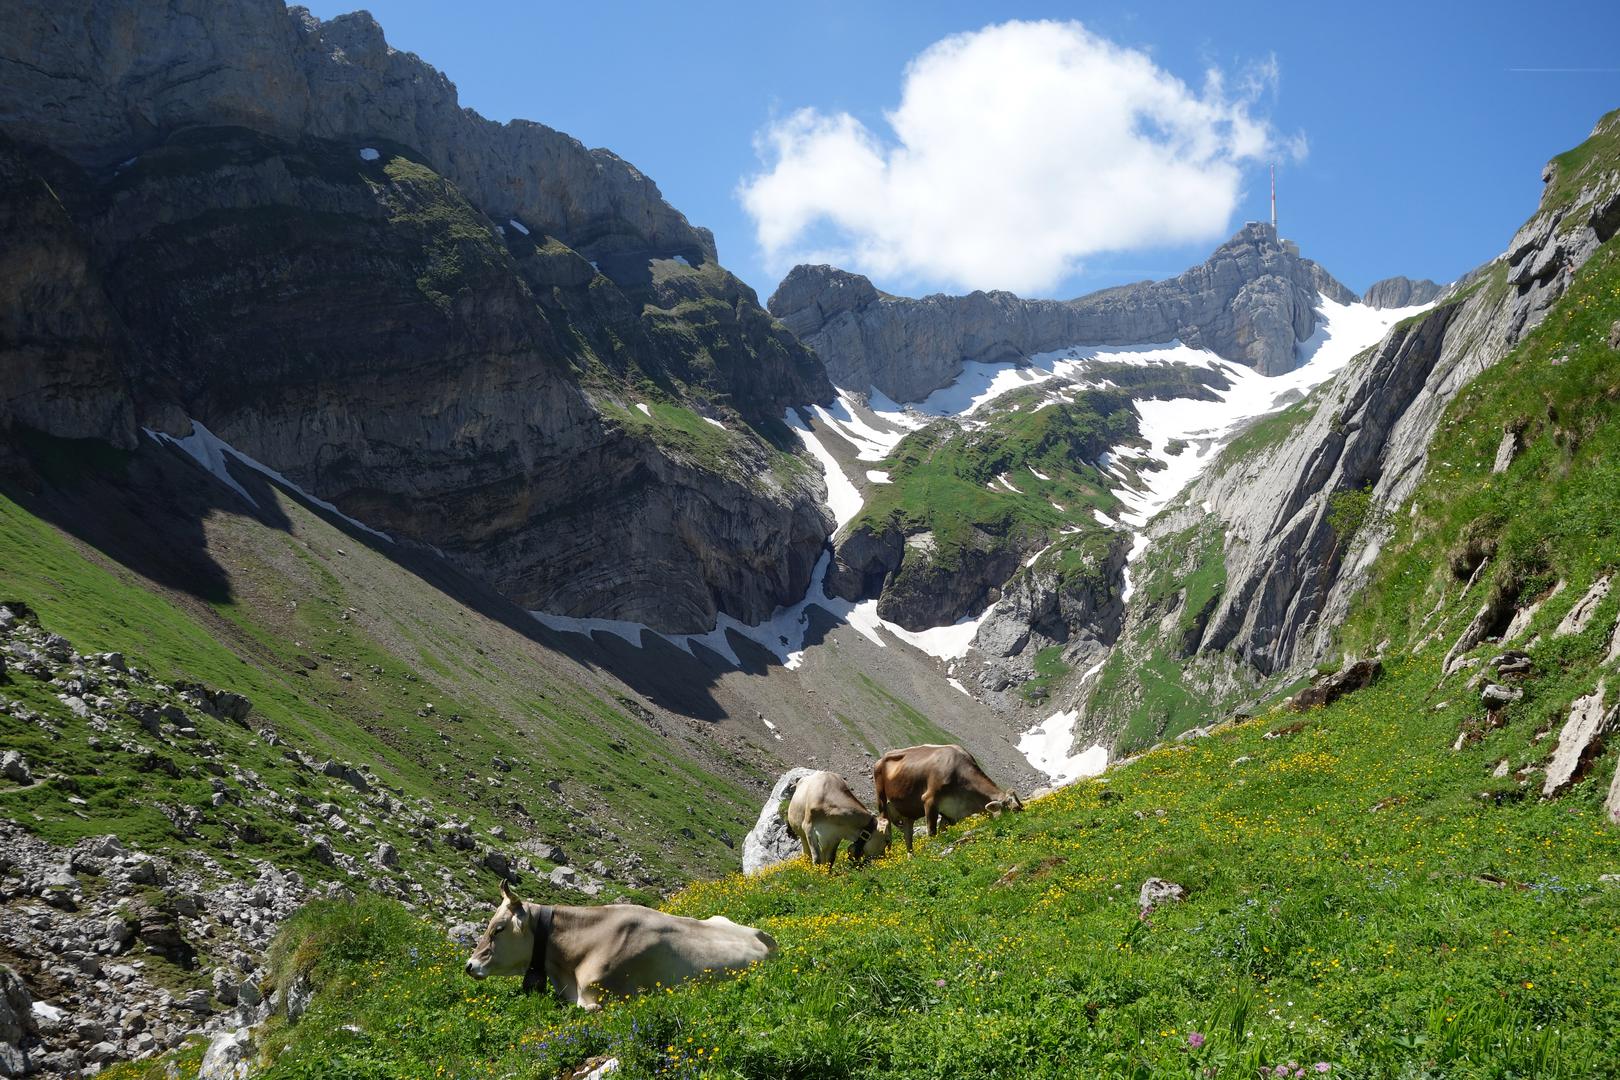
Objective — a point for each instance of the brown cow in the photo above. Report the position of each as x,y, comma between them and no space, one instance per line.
824,813
935,783
615,949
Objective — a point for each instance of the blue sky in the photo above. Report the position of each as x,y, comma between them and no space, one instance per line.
1425,143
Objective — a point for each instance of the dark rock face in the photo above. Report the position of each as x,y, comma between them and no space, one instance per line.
127,75
1251,302
1398,292
378,327
61,346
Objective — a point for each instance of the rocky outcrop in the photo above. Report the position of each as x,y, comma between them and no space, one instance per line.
1252,302
1289,577
1330,687
770,841
290,232
61,346
1042,606
1399,292
127,76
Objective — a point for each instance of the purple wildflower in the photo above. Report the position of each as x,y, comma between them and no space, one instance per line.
1195,1039
1322,1067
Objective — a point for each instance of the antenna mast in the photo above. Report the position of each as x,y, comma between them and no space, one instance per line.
1273,196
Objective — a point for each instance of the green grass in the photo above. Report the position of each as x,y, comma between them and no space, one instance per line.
1574,169
941,476
1049,670
408,649
1439,935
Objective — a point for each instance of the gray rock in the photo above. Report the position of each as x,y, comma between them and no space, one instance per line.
1495,695
1579,741
1399,292
1581,614
1252,302
1156,892
770,841
387,856
13,766
18,1030
229,1056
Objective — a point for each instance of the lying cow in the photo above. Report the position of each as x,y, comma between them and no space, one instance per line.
614,949
935,783
825,813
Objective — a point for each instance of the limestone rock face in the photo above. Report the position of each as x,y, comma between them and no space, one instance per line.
1399,292
286,230
1289,579
61,347
770,841
129,75
1252,302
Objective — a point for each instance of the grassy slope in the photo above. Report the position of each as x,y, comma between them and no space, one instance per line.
312,592
942,478
1360,894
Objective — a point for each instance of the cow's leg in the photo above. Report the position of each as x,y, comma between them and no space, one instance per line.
931,813
804,842
812,844
832,854
588,983
905,830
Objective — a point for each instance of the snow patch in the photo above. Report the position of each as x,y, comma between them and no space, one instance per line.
842,497
518,225
878,476
680,259
716,423
1038,474
958,684
369,153
209,451
1046,747
642,405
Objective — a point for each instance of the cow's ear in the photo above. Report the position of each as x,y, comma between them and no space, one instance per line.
513,901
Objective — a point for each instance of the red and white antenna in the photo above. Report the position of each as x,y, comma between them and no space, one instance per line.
1273,196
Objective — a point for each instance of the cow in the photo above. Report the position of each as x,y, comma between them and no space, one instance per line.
825,813
935,783
586,953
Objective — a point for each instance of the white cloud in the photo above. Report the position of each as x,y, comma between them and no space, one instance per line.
1015,152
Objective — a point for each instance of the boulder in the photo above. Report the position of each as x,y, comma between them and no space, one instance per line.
1495,695
770,841
1581,614
13,766
18,1031
1157,892
229,1056
1326,689
1579,742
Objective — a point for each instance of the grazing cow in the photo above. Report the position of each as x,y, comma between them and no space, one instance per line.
824,813
935,783
616,949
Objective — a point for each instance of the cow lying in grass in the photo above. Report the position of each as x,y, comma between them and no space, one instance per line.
615,949
935,783
825,813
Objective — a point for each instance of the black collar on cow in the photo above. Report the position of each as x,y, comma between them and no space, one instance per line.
857,850
535,978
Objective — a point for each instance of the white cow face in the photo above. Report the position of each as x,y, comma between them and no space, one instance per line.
507,946
1008,802
879,842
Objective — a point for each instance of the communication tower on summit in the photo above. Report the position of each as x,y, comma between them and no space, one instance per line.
1273,196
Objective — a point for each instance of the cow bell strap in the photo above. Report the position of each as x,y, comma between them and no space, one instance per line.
535,978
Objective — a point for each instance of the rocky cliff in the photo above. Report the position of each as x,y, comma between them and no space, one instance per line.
1251,302
478,337
1399,292
1289,520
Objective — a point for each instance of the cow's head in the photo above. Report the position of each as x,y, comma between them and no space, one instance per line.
507,945
1009,801
872,842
